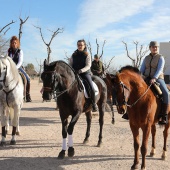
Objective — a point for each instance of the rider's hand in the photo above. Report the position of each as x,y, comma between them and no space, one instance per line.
152,80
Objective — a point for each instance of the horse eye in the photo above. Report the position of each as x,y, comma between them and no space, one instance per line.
4,68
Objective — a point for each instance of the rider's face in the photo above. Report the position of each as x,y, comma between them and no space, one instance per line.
154,49
81,46
14,44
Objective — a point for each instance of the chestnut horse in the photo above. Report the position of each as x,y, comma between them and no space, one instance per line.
136,97
58,77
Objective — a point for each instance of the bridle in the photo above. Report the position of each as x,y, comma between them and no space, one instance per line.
53,90
124,102
124,98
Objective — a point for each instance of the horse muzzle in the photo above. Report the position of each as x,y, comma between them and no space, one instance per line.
121,109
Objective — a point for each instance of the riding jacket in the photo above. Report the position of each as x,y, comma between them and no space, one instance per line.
153,66
17,56
80,60
97,68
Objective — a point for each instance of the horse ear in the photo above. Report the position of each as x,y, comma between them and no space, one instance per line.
45,63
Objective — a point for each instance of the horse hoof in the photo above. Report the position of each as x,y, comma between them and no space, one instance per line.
163,158
3,143
18,133
134,167
13,142
99,144
152,154
85,141
113,121
71,152
61,155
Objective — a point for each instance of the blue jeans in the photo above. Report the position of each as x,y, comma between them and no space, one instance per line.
25,74
165,92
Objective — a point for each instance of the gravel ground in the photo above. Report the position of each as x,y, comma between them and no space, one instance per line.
38,145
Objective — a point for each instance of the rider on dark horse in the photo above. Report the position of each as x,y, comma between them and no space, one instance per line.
17,56
97,66
153,67
81,63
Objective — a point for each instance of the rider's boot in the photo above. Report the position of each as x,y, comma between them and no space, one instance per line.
164,114
28,97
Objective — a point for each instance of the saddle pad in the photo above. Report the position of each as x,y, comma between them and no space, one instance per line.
95,88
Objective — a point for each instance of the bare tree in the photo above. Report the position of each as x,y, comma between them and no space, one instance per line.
40,69
54,33
67,58
140,53
3,40
107,65
97,51
21,26
3,28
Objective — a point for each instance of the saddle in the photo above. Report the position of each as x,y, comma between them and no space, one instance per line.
155,88
24,80
84,86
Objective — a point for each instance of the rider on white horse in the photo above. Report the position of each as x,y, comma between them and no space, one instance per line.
17,56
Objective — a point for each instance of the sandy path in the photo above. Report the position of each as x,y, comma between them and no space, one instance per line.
40,142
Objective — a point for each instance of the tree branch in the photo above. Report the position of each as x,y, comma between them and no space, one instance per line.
7,26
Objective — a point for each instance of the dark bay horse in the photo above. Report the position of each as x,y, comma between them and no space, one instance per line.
59,77
135,96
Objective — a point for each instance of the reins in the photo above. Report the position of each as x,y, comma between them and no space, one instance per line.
64,91
131,105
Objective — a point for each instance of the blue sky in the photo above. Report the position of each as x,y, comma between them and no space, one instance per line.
111,20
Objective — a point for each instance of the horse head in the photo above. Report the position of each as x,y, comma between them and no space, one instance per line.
8,72
49,78
121,85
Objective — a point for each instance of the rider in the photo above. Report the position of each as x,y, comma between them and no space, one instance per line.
97,66
81,63
153,67
17,56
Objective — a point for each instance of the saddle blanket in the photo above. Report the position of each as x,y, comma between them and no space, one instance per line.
95,88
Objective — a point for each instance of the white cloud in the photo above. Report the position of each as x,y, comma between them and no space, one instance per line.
95,14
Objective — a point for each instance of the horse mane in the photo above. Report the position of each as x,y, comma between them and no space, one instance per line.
61,62
130,68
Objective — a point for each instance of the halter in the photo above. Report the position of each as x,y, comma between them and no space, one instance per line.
49,89
124,101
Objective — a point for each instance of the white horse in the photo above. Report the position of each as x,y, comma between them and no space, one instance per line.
11,97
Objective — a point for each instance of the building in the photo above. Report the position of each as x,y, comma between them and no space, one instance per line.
165,51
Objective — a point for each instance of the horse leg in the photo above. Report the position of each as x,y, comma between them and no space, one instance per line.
135,132
3,124
165,134
146,131
88,120
153,132
15,123
112,109
18,130
64,135
101,121
7,124
74,119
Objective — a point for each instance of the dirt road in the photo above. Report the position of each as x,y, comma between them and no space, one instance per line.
40,142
